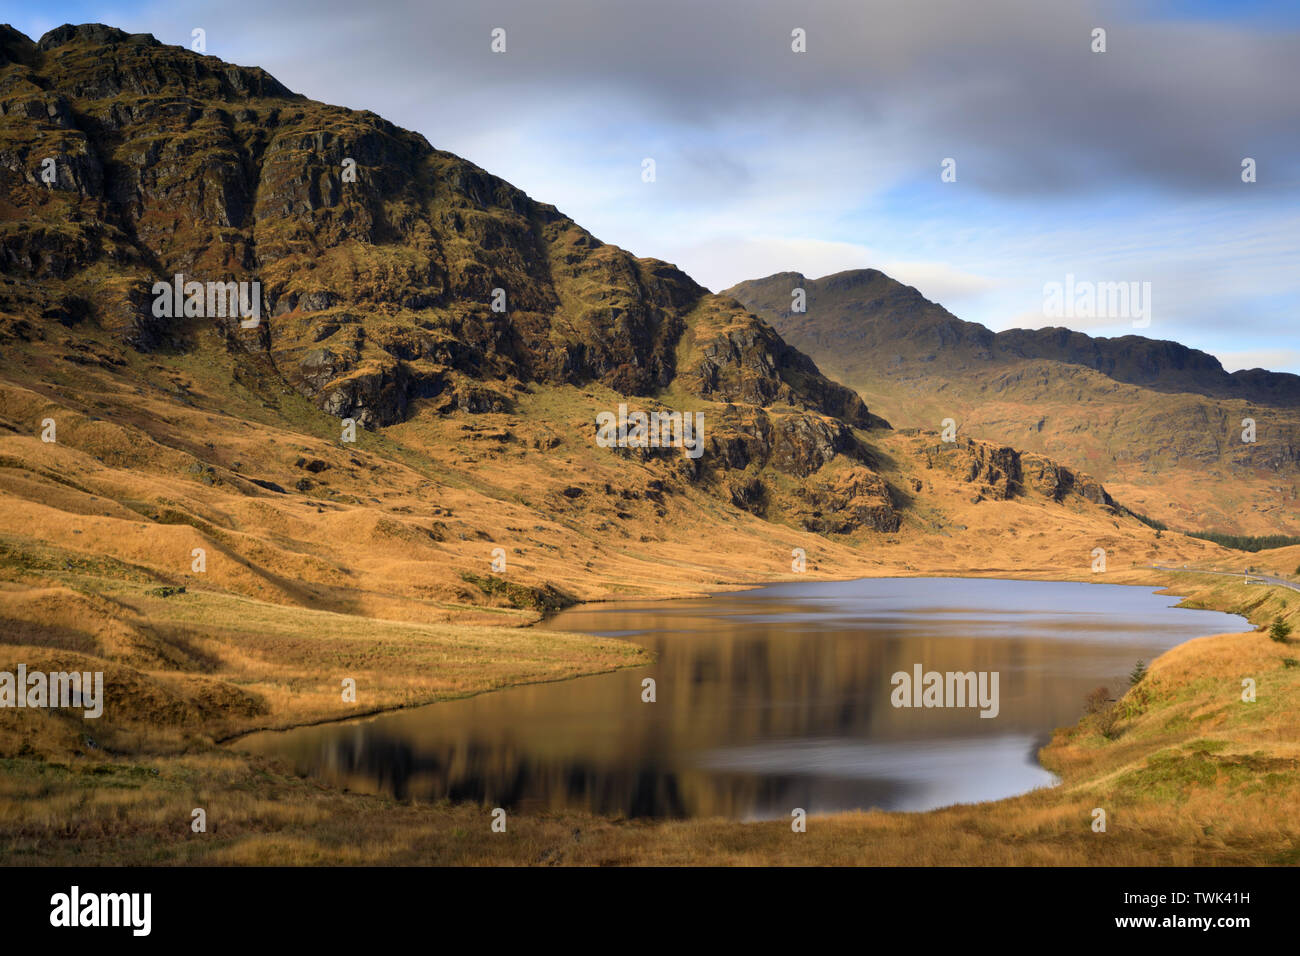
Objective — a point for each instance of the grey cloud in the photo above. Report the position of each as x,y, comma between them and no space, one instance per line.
1009,87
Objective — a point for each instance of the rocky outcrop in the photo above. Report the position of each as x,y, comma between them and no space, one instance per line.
996,470
1000,473
1055,481
735,357
846,502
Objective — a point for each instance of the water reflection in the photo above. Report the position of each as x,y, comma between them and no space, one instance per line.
772,699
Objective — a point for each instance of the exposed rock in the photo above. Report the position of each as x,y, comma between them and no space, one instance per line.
1003,472
857,498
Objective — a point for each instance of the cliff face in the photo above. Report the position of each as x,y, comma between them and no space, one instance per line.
377,255
1001,473
392,279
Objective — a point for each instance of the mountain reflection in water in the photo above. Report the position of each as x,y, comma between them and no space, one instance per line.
771,699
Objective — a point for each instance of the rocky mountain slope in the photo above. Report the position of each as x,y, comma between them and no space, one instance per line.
426,282
1159,422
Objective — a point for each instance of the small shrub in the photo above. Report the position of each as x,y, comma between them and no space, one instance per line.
1105,712
1107,721
1096,700
1135,702
1138,672
1280,630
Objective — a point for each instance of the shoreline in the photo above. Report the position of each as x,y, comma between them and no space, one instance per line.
1188,778
381,711
229,742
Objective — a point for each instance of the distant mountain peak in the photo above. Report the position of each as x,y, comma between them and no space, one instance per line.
97,33
865,308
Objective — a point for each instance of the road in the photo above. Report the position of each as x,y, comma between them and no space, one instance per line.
1251,578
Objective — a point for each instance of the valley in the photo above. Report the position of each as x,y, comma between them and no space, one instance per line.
385,484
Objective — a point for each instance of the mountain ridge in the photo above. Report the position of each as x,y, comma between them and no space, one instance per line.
1100,353
1160,423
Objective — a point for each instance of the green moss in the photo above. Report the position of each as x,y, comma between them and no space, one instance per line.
1169,775
546,598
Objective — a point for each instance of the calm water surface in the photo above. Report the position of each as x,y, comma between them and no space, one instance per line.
772,699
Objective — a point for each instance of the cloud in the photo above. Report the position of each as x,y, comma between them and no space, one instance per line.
1281,358
1008,87
940,282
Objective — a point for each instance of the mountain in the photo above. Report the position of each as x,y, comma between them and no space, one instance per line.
379,293
1159,422
472,335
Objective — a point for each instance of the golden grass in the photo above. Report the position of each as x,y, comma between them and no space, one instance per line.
239,665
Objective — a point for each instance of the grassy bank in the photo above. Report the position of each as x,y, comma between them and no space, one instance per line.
1189,774
206,666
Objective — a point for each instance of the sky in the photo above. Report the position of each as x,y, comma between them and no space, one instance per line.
1115,166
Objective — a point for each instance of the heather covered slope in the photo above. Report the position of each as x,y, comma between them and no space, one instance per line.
1158,422
477,426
